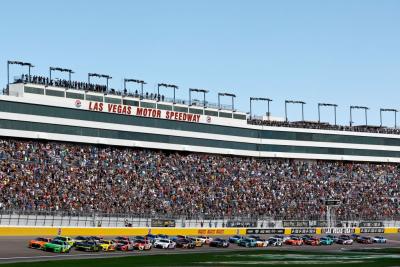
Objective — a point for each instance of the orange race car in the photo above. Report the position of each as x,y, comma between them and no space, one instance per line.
294,241
38,242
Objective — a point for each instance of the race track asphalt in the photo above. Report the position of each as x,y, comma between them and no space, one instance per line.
15,249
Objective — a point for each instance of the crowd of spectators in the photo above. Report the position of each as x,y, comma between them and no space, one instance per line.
56,176
325,126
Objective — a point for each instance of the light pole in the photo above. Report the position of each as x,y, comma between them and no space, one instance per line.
135,81
226,94
61,70
389,110
295,102
9,62
326,105
107,77
260,99
166,86
204,91
358,107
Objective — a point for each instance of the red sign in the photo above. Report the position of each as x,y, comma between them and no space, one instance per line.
145,112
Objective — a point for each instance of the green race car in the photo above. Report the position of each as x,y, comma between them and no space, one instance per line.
57,246
325,241
67,239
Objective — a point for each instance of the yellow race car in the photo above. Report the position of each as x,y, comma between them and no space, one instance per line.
107,245
197,241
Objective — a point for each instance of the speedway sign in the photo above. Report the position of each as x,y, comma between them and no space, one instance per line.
145,112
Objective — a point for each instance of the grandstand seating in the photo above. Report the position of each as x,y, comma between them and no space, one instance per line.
49,175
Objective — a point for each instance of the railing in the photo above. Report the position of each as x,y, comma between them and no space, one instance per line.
111,91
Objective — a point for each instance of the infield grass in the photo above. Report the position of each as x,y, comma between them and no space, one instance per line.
374,257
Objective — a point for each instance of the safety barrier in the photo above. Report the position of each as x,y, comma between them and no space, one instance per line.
124,231
131,231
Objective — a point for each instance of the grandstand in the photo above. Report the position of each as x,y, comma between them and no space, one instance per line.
70,148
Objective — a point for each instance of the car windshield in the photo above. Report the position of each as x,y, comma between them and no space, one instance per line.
164,241
40,239
57,242
106,242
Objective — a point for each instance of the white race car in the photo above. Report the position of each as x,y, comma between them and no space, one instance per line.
276,242
164,243
379,239
205,239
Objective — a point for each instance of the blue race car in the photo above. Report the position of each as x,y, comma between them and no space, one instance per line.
235,239
248,242
325,241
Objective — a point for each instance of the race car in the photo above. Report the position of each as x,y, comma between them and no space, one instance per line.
185,243
282,237
312,241
305,237
38,242
334,238
96,238
276,242
121,238
325,241
294,241
261,242
197,241
345,237
174,238
80,238
141,244
124,245
57,246
364,240
67,239
235,239
248,242
164,243
379,239
219,243
107,245
88,246
345,241
206,239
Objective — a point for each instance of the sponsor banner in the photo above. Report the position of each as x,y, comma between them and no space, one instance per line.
295,223
370,230
211,232
306,224
265,231
303,231
241,224
336,230
162,223
371,224
146,112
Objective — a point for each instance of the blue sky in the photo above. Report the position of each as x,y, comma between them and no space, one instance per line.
343,51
